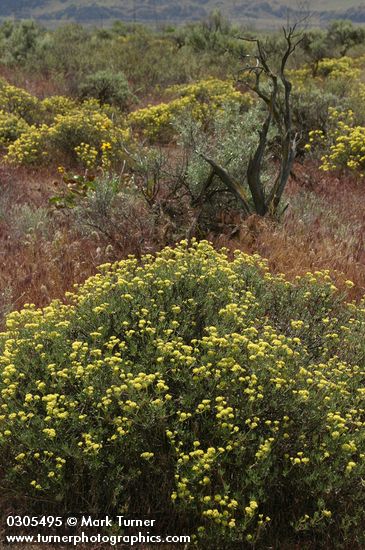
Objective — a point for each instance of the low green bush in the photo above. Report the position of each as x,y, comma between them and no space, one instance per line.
19,41
107,87
204,388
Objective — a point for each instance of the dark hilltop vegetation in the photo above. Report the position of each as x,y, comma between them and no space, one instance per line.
259,13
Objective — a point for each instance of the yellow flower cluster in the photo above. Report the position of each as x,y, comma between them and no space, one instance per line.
86,154
81,134
343,68
345,143
30,147
52,106
37,131
202,99
18,102
12,127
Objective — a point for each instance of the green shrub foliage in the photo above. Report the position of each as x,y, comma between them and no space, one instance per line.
107,87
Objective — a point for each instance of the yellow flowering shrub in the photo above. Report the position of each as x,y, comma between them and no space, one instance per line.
52,106
213,89
31,147
300,77
11,127
202,99
343,67
203,387
58,127
18,102
93,127
343,145
83,134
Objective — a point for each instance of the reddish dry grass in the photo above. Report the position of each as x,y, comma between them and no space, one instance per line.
34,269
323,228
34,84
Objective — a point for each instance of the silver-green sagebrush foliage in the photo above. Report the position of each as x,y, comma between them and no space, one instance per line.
204,387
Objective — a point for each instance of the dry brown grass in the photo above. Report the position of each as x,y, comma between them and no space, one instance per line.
323,228
35,84
32,268
39,265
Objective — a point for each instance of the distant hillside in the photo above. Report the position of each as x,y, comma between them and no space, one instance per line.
259,13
